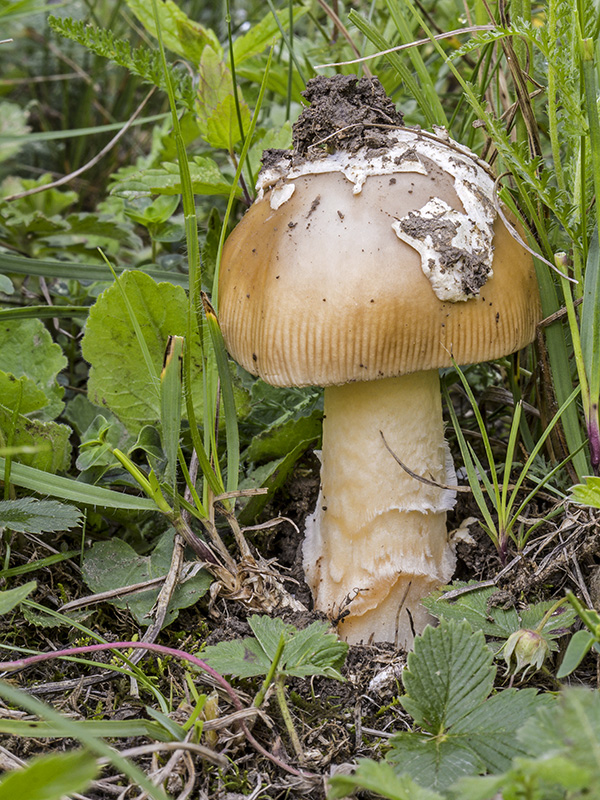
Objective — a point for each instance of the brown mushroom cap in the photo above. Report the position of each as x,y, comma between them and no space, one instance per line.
321,290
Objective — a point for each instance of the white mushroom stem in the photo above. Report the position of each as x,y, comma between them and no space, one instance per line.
378,536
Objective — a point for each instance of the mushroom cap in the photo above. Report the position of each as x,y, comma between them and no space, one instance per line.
319,286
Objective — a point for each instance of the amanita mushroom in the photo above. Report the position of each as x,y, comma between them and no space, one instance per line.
372,255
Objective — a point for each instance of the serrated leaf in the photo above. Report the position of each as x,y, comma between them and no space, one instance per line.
50,777
114,564
448,681
244,658
556,625
380,778
435,764
149,212
499,622
28,515
449,673
86,232
473,607
310,651
119,377
12,597
570,726
180,34
489,730
217,113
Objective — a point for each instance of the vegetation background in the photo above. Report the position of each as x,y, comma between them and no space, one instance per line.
130,140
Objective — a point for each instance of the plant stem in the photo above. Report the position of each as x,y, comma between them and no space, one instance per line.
258,700
552,107
287,717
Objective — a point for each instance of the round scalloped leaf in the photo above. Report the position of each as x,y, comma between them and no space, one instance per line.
27,349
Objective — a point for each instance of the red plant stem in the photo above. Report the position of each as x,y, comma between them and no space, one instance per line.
21,663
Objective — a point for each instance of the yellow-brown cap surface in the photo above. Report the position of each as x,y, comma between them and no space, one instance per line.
320,289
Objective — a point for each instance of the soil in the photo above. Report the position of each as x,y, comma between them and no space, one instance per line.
345,113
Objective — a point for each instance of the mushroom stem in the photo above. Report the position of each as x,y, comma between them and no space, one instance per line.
377,541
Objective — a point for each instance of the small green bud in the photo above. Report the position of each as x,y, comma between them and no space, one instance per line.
525,649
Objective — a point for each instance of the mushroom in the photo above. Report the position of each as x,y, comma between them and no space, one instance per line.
369,260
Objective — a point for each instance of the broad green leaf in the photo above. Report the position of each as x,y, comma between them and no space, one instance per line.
579,646
285,434
6,285
269,476
27,349
588,493
22,393
180,34
556,625
217,114
149,212
114,564
311,651
50,777
380,778
119,377
44,204
484,739
264,33
76,491
104,434
205,175
13,120
449,673
545,779
48,442
12,597
85,233
28,515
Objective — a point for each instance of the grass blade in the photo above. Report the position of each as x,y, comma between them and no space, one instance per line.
18,265
231,427
75,491
170,403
